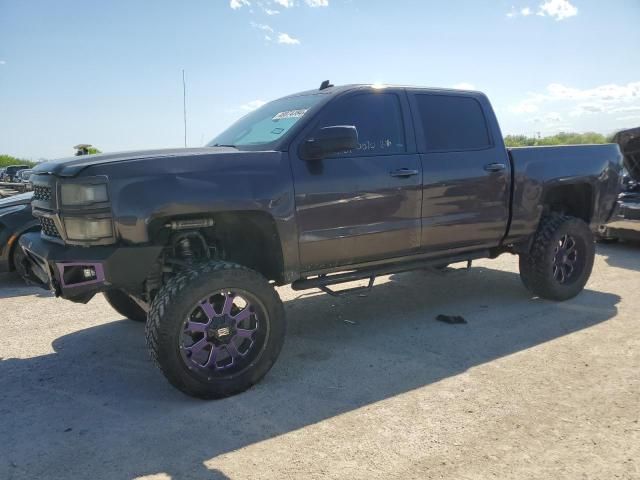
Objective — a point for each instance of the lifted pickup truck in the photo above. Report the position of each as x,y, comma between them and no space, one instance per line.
312,190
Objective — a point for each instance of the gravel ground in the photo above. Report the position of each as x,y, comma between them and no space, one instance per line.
366,387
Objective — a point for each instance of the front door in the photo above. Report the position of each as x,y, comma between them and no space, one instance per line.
363,204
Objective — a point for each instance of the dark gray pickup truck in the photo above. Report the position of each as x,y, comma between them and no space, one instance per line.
313,190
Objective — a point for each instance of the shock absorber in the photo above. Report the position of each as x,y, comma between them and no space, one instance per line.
184,249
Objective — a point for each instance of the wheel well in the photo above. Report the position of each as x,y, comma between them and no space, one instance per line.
248,238
14,245
575,200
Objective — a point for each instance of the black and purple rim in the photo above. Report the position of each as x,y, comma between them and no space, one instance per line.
566,258
224,334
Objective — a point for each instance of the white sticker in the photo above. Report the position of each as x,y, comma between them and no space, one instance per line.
290,114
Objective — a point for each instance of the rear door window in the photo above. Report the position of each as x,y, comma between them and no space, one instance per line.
452,123
376,116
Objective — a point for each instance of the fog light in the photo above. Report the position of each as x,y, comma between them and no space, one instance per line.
89,273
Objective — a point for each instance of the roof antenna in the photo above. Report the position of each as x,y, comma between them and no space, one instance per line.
326,84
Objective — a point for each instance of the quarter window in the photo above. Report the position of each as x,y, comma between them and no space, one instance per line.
376,116
452,123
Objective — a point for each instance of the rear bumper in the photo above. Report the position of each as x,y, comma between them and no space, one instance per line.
78,273
626,215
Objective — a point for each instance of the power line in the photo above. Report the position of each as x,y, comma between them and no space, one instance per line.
184,107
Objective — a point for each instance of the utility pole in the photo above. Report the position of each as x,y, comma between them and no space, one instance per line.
184,107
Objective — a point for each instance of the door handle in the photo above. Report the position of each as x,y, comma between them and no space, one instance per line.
403,172
494,167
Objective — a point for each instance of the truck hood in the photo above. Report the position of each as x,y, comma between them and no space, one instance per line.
71,166
20,199
629,141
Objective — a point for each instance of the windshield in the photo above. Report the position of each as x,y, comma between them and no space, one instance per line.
267,124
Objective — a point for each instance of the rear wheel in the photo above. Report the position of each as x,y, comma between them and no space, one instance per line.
125,305
215,329
561,258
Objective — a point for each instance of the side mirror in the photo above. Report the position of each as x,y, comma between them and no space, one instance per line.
329,140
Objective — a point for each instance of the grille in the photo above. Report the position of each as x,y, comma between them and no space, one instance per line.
41,193
49,227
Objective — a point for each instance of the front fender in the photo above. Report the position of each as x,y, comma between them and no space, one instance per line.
145,194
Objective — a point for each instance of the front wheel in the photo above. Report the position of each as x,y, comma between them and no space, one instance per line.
561,258
215,329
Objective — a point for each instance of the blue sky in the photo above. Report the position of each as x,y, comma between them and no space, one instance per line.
109,73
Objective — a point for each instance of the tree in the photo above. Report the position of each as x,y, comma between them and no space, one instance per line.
6,160
562,138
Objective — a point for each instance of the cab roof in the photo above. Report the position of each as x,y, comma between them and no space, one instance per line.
336,89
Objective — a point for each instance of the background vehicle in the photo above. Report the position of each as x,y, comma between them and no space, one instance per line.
625,221
314,189
24,178
15,220
11,172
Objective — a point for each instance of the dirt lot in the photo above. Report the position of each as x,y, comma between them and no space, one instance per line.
365,387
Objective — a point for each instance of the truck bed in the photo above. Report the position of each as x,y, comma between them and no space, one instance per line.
538,169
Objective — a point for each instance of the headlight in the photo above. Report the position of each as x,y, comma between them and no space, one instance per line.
88,229
83,194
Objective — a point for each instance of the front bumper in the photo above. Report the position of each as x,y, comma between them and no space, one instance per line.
78,273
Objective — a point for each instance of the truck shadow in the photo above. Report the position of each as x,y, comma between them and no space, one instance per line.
98,394
625,254
11,285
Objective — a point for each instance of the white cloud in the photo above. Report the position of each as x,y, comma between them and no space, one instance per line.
529,104
285,39
551,118
285,3
252,105
524,12
464,86
3,62
626,109
262,26
235,4
558,9
607,98
586,108
317,3
608,92
628,117
268,11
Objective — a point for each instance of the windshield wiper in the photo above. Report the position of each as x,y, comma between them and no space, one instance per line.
223,145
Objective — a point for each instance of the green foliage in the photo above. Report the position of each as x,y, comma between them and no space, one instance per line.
6,160
562,138
93,150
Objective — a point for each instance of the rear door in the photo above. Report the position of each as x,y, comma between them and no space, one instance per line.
362,204
466,172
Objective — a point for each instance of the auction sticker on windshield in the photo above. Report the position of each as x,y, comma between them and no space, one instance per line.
290,114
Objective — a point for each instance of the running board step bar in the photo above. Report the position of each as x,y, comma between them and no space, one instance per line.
323,281
348,291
